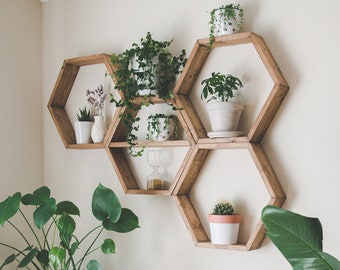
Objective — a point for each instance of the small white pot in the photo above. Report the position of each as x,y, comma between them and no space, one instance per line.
224,116
98,129
225,26
82,130
224,229
164,131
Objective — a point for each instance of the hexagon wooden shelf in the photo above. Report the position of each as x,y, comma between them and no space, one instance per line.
197,157
61,92
195,63
116,146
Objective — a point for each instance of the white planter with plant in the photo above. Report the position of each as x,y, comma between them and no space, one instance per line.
162,127
83,126
224,224
225,20
224,115
97,98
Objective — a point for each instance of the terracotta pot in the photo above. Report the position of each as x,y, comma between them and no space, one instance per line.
224,228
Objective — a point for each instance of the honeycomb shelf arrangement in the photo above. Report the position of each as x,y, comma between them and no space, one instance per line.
197,142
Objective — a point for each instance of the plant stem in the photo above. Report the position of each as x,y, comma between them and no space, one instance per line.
30,226
80,262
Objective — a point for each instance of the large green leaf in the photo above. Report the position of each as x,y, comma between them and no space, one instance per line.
42,257
39,196
68,208
57,256
9,207
105,204
44,212
66,226
299,239
127,222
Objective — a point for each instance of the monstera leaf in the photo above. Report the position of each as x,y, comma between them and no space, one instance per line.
299,239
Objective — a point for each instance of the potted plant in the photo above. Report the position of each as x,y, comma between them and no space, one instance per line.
83,126
225,20
224,115
299,238
162,127
224,224
97,98
54,244
146,69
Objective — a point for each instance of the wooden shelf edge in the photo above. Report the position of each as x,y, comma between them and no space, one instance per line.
175,143
208,244
163,192
85,146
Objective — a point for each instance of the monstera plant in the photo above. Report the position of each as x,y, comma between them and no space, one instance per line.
299,239
55,245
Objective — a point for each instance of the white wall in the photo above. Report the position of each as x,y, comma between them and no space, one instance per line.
21,158
303,142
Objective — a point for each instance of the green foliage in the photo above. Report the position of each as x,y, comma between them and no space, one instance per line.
148,65
227,12
299,239
55,244
84,115
223,208
220,87
154,128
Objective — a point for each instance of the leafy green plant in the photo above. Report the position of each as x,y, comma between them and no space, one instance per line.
223,208
220,87
299,239
148,65
227,12
155,126
55,245
84,115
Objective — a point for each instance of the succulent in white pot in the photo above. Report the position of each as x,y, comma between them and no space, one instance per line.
224,224
83,126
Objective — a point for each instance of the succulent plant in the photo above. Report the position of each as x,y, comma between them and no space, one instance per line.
84,115
223,208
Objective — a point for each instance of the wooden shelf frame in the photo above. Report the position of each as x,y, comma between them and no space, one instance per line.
61,92
198,156
196,61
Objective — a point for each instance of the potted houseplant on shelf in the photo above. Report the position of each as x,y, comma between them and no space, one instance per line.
224,224
225,20
299,239
224,115
83,126
97,98
162,127
54,244
147,69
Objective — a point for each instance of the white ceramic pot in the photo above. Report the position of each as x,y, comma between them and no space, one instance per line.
224,229
225,26
82,130
224,116
164,131
98,129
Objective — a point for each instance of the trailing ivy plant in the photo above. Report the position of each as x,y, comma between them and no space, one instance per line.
55,246
154,125
148,65
227,12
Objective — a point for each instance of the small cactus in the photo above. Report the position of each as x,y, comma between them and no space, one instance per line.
223,208
84,115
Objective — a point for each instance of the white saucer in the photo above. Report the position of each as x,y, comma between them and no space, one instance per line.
224,134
